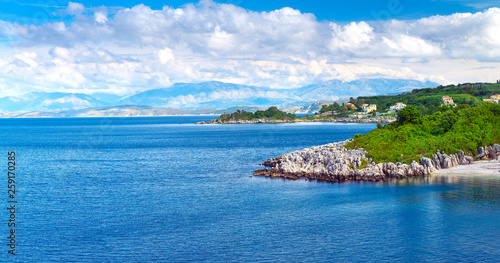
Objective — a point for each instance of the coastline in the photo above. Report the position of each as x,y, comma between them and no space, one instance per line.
334,163
271,121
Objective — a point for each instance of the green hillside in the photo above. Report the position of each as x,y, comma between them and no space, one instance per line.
429,100
414,135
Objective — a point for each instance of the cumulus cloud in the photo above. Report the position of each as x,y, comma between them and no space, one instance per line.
61,53
100,17
351,37
74,8
461,35
165,55
27,58
139,48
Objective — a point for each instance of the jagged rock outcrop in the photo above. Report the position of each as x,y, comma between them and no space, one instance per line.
481,152
488,152
334,163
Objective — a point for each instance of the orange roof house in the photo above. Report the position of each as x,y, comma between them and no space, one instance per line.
352,106
447,100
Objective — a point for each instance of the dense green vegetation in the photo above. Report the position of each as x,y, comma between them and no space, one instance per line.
271,113
415,135
428,100
341,110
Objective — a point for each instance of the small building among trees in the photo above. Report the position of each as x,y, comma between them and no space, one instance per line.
369,107
396,107
447,100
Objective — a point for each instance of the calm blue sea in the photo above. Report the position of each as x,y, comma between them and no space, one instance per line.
155,190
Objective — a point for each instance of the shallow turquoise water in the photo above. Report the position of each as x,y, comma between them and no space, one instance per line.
150,189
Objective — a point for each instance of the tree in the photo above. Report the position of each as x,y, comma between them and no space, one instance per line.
447,120
273,109
444,108
324,108
409,114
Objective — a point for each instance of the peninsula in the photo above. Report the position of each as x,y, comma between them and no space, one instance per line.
414,145
274,115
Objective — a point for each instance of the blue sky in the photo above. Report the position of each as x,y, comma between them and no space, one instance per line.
125,47
342,11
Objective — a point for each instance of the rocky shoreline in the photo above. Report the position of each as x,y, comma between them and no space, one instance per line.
334,163
382,119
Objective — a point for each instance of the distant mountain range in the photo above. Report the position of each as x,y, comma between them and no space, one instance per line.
125,111
55,101
209,96
336,89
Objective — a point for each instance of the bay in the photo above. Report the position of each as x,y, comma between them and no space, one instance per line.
155,190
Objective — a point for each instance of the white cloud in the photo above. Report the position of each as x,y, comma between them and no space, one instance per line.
74,8
410,46
461,35
165,55
351,36
29,58
61,53
100,17
139,48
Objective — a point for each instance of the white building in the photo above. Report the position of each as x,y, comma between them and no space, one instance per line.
398,106
447,100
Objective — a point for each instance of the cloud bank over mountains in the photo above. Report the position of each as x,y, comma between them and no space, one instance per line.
130,50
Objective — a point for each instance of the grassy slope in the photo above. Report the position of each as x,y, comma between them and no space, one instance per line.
464,128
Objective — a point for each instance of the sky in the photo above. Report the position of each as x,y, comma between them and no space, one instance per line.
125,47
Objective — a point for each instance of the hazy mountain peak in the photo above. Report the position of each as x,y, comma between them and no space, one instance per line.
213,94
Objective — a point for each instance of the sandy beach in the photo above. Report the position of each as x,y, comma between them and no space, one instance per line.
477,168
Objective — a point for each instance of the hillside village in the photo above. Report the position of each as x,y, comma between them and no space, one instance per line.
426,100
366,110
370,110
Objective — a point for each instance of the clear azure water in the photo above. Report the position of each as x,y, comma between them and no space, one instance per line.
154,190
